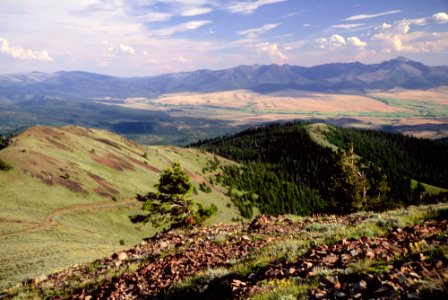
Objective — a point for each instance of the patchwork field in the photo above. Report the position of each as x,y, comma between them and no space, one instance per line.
70,193
421,113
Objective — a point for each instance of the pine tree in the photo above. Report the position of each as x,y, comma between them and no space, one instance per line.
350,184
172,203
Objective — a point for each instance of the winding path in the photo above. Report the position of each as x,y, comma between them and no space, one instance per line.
50,218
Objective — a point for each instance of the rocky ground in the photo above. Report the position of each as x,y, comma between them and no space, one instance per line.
269,258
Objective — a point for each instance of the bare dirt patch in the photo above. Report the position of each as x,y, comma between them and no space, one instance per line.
146,166
78,131
108,142
73,186
16,221
43,130
57,144
112,161
105,188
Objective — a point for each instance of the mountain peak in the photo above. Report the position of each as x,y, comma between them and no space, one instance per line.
401,59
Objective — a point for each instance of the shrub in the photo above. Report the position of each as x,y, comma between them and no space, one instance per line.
4,166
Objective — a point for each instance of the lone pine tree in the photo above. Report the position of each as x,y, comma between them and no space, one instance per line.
172,203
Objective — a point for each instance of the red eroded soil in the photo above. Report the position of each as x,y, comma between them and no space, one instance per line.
112,161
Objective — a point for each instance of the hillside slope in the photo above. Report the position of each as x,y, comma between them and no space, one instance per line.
69,194
307,168
396,255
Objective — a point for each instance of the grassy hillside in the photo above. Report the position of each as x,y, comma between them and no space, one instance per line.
70,192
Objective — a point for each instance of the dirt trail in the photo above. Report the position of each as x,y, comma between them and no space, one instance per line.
50,219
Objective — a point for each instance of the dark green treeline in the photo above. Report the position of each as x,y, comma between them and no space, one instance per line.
284,171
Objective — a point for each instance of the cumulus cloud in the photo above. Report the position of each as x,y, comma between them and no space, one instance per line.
192,25
272,50
18,52
249,7
355,41
126,49
400,38
337,40
440,17
383,26
369,16
255,32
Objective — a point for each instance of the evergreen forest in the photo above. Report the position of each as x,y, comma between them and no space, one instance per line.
282,169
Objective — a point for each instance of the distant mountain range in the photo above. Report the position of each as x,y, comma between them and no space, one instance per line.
336,77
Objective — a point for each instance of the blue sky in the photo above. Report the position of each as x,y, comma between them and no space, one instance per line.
149,37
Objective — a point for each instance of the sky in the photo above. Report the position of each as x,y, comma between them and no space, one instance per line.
149,37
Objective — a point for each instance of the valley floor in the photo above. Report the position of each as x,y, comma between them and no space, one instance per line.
396,254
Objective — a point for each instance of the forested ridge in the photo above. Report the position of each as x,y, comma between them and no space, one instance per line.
284,170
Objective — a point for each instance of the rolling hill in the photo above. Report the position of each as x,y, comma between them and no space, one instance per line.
179,108
71,190
68,197
302,169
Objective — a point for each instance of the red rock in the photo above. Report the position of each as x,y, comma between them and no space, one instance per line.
370,254
334,282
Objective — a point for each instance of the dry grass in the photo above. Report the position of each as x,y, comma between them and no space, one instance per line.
398,107
437,96
287,101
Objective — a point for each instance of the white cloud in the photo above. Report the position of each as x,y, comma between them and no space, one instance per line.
294,45
322,42
306,25
369,16
18,52
337,40
440,17
355,41
196,11
192,25
400,38
271,50
255,32
384,26
347,26
404,26
126,49
183,59
249,7
155,17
